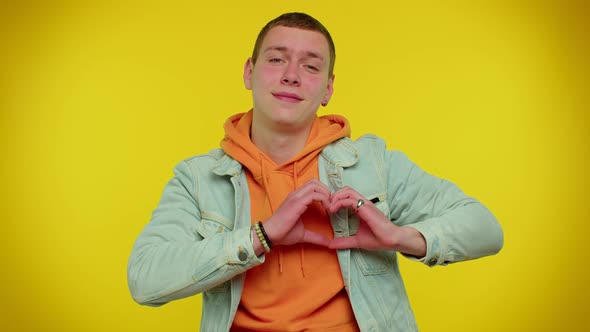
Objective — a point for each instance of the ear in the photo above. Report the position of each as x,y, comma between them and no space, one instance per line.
248,69
329,90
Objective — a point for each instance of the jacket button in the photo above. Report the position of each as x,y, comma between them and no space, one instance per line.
434,259
242,255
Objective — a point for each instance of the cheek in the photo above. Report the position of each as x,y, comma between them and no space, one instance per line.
266,75
318,87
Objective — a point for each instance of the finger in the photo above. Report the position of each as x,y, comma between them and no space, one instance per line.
325,192
345,203
316,238
345,193
319,183
369,212
322,188
342,203
295,206
316,196
314,186
344,242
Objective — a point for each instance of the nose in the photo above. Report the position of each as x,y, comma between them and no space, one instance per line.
291,76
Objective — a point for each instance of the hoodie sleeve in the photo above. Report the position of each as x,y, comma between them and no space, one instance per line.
456,227
172,259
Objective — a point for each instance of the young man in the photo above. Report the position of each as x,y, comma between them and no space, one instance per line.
292,226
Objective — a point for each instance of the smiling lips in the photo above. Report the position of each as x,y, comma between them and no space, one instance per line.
288,97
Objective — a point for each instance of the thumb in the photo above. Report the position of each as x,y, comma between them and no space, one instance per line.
344,242
315,238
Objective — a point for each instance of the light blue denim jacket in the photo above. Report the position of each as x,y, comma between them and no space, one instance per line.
199,239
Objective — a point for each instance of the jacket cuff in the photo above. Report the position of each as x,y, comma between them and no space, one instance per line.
434,247
239,250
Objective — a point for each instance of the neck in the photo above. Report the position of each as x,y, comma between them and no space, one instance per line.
279,146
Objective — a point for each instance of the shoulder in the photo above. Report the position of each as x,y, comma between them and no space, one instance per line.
370,141
211,160
368,148
360,144
211,157
215,163
363,145
201,163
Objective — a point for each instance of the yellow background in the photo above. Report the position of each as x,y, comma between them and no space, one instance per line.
99,101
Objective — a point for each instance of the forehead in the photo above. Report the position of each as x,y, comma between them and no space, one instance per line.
296,40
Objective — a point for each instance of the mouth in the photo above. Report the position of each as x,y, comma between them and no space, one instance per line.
288,97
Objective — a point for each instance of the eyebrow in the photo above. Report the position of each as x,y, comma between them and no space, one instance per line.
309,54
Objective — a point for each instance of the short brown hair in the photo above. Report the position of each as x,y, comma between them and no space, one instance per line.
300,21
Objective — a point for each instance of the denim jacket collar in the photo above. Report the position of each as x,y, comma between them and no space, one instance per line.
341,153
226,165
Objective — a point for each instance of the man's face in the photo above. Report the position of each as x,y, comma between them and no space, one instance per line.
290,78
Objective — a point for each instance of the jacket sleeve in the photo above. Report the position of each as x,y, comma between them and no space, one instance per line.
456,227
175,257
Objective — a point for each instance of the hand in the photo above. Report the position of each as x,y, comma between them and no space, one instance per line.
285,227
375,230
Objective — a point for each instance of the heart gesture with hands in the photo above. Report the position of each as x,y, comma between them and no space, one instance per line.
285,227
375,232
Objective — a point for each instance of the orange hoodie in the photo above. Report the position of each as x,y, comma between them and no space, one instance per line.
299,287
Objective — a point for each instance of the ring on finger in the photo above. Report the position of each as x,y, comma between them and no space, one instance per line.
359,203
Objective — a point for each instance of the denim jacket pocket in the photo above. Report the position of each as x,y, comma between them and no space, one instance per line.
212,223
370,262
379,201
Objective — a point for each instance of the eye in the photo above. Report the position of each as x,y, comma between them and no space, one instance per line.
312,68
275,60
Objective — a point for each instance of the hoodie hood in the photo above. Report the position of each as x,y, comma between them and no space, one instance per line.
239,146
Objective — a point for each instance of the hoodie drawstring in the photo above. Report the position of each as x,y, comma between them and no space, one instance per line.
272,210
301,245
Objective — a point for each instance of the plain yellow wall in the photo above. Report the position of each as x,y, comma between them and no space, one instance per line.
99,101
